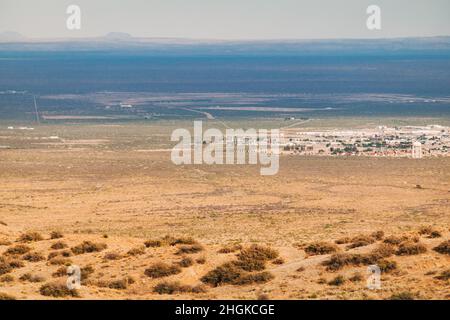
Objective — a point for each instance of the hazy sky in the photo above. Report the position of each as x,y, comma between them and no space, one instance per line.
227,19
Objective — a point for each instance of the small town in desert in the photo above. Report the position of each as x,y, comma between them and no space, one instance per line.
408,141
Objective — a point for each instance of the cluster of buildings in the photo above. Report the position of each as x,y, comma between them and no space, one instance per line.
405,141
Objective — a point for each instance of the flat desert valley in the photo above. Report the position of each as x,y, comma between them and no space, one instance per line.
140,227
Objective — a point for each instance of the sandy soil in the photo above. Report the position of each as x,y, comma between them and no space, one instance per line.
122,199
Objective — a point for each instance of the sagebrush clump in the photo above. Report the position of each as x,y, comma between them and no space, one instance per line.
88,247
159,270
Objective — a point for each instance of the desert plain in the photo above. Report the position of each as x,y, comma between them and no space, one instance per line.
108,199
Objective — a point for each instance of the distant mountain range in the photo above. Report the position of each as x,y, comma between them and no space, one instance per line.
13,41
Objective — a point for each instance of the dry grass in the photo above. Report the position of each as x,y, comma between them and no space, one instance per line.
190,249
340,260
88,247
443,247
410,248
153,243
430,232
59,245
395,240
60,261
257,252
319,248
7,279
120,284
33,257
56,235
337,281
159,270
357,277
31,278
253,278
404,295
445,275
201,260
378,235
63,253
30,237
136,251
17,250
361,241
230,248
175,287
112,256
57,290
185,262
227,273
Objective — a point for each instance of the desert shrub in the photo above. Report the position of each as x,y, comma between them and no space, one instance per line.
361,241
182,240
5,296
31,278
60,261
153,243
278,261
343,240
189,249
256,252
227,273
136,251
186,262
33,257
201,260
88,247
357,277
395,240
159,270
319,248
410,248
86,271
17,250
30,237
120,284
248,264
112,256
166,287
260,277
60,272
387,266
7,278
339,260
201,288
59,245
378,235
445,275
405,295
435,234
56,235
383,250
5,268
337,281
63,253
443,247
230,248
57,290
16,264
